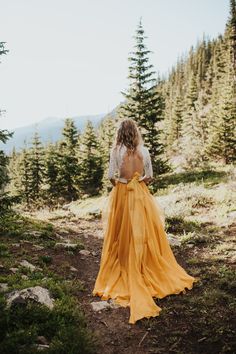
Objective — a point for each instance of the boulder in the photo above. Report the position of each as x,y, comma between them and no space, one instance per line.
101,305
36,293
28,265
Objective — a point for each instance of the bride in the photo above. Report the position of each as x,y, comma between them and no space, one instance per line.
137,264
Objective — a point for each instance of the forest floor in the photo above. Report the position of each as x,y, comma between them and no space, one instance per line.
200,222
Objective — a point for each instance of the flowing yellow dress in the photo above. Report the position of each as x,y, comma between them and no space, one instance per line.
137,263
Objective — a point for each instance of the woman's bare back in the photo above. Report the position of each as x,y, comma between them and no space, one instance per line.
126,163
132,162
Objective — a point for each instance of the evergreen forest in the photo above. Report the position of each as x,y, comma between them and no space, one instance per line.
52,196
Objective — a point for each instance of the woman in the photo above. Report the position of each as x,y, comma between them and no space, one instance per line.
137,263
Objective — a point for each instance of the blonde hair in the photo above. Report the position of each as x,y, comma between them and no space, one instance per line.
128,134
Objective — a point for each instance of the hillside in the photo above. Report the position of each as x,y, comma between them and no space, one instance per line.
61,250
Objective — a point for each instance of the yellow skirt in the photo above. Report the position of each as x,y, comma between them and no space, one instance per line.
137,263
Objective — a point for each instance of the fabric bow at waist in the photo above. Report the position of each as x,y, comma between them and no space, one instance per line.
135,179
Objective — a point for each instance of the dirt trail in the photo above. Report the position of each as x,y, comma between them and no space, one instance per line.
176,328
111,327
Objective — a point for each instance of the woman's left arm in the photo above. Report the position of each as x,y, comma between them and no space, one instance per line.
148,167
112,166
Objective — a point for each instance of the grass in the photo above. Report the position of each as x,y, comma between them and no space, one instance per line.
207,177
198,205
64,327
201,321
17,226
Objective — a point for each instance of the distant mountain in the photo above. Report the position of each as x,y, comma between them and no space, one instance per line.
49,130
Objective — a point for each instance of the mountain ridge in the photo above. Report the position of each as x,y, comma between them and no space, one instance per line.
49,129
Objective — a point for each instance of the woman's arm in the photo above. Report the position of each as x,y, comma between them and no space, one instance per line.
147,167
147,180
112,167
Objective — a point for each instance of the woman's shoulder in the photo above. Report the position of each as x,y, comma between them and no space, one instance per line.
117,148
143,148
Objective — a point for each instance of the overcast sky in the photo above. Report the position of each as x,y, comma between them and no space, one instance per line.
69,57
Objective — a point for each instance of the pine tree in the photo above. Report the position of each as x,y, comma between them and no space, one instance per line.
174,123
192,131
4,177
106,139
36,168
68,162
222,131
144,103
232,37
5,201
90,162
70,135
14,172
52,169
24,187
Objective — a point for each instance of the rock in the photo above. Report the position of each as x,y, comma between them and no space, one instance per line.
38,247
17,245
36,293
28,265
13,270
94,212
32,233
174,240
73,269
64,231
66,207
3,287
41,346
42,340
190,245
59,236
66,245
94,253
1,266
24,277
101,305
232,260
84,252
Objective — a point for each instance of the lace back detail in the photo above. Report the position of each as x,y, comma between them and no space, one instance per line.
125,165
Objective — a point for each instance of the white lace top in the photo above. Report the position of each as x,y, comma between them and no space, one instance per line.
117,158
